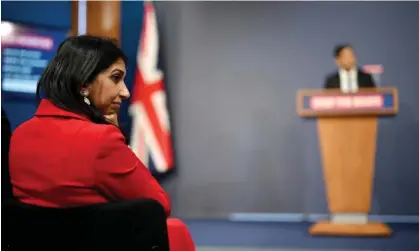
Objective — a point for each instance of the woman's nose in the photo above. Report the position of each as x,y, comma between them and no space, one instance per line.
124,93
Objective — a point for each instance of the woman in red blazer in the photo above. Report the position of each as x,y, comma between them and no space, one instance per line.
72,152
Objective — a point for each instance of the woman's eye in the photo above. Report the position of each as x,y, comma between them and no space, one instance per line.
116,78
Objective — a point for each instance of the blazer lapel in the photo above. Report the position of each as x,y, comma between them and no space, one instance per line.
336,81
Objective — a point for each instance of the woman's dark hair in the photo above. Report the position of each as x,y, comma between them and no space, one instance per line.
76,64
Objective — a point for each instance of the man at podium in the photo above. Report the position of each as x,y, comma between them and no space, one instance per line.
349,77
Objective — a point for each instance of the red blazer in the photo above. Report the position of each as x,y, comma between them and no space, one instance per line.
61,159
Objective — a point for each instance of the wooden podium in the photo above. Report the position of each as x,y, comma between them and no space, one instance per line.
347,131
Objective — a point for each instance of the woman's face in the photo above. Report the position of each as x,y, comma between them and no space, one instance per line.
108,90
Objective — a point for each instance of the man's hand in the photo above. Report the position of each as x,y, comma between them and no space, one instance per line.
112,118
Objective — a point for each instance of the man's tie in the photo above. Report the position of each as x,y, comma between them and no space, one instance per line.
350,87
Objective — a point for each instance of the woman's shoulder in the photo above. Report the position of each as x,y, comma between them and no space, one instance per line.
68,131
100,131
105,139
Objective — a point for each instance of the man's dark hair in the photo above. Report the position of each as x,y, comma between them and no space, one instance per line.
339,48
77,63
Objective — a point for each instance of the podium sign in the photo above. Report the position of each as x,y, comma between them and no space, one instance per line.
365,102
347,131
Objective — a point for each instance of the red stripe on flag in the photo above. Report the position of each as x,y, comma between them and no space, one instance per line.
143,93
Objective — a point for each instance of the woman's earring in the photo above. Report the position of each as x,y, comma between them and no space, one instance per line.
85,98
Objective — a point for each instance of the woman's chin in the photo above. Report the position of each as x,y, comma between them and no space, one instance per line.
113,109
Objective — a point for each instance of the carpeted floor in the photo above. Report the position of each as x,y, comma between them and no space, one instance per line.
263,249
255,236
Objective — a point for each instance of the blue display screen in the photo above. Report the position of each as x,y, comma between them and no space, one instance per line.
25,53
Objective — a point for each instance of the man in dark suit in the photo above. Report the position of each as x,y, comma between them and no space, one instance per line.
349,77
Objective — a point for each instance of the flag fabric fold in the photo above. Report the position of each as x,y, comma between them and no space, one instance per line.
150,134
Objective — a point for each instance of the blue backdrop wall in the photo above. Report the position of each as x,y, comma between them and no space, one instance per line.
131,20
233,69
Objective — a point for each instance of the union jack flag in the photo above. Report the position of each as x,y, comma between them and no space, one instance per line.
150,134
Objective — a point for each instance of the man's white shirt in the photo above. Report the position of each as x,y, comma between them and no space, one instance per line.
348,80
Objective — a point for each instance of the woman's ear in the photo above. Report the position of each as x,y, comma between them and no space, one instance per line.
84,92
85,89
